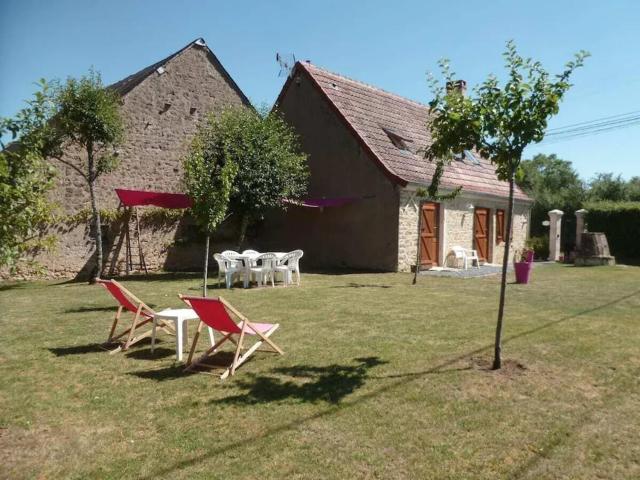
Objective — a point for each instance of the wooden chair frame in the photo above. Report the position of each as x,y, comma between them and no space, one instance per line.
239,358
142,316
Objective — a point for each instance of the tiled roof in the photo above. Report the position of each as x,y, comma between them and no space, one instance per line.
372,114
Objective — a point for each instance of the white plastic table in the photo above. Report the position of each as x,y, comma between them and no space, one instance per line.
247,260
180,317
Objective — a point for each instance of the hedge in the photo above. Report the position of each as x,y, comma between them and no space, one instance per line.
620,221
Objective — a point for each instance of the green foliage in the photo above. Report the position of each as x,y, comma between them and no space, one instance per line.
26,177
620,221
89,116
540,245
255,154
501,121
209,172
271,166
552,183
606,187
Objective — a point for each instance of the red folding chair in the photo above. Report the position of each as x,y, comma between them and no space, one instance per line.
216,313
142,315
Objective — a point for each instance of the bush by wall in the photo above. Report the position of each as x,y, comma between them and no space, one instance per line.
620,221
540,246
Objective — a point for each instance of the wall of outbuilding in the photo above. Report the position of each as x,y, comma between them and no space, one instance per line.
161,115
361,235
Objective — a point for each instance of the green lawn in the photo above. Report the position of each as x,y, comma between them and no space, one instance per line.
380,379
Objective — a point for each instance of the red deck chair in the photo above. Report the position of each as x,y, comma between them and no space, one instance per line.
142,315
215,312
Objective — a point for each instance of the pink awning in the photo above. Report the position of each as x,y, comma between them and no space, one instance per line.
133,198
322,202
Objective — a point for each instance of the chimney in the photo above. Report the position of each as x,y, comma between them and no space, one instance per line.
457,85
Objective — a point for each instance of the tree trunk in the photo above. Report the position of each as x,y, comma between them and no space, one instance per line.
497,360
206,265
97,227
244,223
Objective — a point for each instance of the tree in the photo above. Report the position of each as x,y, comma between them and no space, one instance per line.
88,118
26,176
271,166
499,122
552,183
604,186
209,173
634,189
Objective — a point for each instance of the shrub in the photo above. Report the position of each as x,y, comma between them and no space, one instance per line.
540,245
620,221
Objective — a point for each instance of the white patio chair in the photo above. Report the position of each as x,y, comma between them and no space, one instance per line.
265,264
283,267
466,255
228,253
229,267
251,253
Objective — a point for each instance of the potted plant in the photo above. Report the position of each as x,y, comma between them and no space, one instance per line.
523,264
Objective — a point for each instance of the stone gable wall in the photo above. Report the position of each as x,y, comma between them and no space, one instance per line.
161,115
458,226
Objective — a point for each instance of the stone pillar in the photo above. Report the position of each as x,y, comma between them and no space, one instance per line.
555,222
580,227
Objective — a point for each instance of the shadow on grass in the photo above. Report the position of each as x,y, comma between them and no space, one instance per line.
146,354
110,308
12,286
360,285
306,383
399,381
79,349
212,365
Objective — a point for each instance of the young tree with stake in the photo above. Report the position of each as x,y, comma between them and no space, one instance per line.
88,117
499,122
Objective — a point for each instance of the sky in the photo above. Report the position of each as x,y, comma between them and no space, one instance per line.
389,44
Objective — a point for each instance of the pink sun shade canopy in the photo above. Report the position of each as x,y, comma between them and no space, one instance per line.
136,198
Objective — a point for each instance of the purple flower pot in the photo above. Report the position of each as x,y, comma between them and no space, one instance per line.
523,271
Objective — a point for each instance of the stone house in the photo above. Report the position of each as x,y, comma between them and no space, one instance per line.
364,147
161,105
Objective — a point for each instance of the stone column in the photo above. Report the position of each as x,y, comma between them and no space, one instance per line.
555,222
580,227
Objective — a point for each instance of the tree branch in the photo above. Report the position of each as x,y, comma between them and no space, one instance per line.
75,167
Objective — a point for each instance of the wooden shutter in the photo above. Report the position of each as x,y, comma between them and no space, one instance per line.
500,226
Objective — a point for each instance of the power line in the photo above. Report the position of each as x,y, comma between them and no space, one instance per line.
619,117
589,133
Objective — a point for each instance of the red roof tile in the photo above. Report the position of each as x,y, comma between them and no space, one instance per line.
369,111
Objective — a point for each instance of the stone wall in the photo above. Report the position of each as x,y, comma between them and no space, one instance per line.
456,223
161,115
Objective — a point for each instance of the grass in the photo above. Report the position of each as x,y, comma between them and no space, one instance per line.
380,379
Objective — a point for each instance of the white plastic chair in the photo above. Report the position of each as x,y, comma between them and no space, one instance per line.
290,264
230,267
466,255
282,266
250,252
264,268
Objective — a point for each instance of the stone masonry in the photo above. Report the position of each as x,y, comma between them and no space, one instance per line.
457,221
161,114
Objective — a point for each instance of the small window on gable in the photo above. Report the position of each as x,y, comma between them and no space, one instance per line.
398,141
500,236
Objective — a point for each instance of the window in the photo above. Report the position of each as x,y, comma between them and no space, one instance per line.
398,141
500,236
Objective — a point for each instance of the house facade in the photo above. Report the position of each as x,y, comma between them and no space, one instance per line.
161,105
365,151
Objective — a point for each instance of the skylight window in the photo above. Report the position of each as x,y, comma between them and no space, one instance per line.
398,141
467,156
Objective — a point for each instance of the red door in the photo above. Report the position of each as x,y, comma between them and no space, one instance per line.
429,223
481,233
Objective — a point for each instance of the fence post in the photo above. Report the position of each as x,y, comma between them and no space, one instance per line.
580,227
555,223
